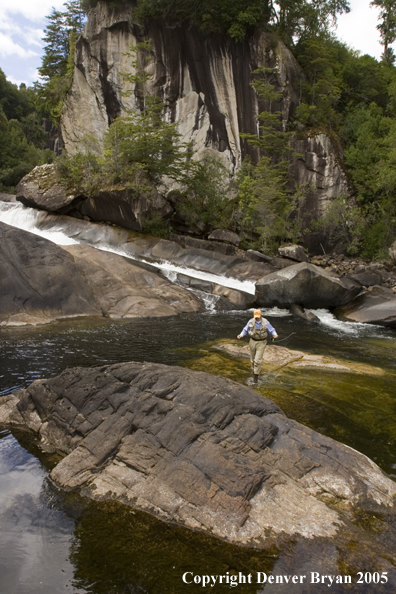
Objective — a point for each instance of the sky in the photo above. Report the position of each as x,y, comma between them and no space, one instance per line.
22,24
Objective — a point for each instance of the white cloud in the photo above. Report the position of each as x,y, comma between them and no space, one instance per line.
15,81
34,11
8,48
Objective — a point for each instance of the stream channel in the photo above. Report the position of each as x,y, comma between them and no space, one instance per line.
52,542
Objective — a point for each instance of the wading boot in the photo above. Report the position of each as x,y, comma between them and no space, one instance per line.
255,378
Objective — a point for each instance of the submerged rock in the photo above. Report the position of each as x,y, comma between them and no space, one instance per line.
195,449
277,357
307,285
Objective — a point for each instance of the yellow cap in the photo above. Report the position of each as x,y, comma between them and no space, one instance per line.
257,313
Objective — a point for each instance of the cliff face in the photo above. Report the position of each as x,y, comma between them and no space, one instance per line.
205,81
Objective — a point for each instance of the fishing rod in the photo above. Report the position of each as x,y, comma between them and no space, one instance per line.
273,340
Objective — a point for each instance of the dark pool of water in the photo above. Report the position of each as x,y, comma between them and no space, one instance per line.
53,542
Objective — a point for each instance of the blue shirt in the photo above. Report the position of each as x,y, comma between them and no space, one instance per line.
270,328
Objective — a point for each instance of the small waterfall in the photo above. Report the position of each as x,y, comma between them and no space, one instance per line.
209,300
29,219
64,230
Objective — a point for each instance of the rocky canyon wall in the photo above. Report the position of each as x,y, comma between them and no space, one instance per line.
205,81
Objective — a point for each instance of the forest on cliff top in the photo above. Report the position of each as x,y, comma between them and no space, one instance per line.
348,96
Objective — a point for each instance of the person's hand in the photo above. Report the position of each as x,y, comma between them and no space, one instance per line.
275,336
239,336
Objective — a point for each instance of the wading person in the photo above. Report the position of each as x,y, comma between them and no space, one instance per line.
257,328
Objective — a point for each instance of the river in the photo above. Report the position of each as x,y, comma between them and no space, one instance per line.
52,542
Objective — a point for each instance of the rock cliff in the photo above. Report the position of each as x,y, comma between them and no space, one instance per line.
205,80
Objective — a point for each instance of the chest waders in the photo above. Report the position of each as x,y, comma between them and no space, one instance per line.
257,344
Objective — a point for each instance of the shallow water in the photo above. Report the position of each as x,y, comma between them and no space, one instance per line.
51,542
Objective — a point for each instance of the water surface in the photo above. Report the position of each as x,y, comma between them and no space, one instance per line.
54,542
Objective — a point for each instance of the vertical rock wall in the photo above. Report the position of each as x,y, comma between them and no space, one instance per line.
205,81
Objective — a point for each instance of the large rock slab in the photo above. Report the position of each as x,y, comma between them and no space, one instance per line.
377,306
306,285
195,449
123,290
39,281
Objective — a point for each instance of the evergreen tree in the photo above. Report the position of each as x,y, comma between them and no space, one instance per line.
269,204
56,68
387,27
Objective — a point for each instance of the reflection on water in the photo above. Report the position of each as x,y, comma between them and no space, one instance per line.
35,536
53,542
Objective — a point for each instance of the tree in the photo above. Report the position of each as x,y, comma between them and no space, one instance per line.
57,64
387,27
296,19
269,203
238,18
203,197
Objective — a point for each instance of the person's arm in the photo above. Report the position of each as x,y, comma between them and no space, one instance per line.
244,331
271,330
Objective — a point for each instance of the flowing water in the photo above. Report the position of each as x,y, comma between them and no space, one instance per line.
64,230
54,542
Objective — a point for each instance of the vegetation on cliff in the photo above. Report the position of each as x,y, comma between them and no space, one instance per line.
291,19
343,94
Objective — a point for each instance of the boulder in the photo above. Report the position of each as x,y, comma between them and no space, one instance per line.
225,235
42,188
366,277
376,306
39,281
306,285
204,244
237,299
304,314
258,256
198,450
123,207
293,252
